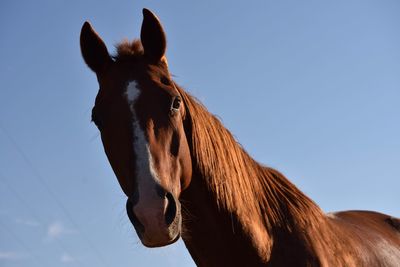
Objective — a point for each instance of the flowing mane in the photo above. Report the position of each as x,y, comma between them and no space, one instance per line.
239,182
260,196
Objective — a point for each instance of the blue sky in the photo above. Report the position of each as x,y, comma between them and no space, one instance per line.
310,88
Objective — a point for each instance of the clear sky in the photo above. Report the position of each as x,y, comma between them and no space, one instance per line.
311,88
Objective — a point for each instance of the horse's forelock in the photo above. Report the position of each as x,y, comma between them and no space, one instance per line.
129,50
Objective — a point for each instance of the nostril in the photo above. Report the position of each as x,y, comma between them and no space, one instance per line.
170,212
134,220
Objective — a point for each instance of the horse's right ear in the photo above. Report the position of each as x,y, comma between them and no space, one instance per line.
93,49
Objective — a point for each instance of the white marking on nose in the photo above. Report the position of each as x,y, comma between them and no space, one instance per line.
147,178
144,160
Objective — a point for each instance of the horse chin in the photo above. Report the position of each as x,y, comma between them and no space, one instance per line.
170,236
161,244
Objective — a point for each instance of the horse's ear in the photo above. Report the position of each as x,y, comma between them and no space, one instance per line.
152,36
93,49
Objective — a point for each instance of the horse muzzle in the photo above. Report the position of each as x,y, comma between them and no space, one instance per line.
157,219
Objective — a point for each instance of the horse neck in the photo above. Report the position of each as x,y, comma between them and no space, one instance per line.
233,197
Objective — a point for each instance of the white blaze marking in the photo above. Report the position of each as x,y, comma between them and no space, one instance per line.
147,177
132,93
150,206
390,254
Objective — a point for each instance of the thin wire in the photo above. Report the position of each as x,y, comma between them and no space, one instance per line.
40,179
61,245
22,243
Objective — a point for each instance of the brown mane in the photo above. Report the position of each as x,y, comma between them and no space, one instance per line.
260,196
279,219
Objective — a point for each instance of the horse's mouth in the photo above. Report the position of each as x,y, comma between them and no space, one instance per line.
161,244
159,226
165,235
165,240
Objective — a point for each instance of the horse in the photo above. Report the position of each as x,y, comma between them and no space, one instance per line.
185,175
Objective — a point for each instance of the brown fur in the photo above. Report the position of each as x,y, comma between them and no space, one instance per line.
235,211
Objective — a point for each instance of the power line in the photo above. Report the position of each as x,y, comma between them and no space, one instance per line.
22,243
42,181
33,214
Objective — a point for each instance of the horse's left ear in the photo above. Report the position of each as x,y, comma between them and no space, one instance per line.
152,36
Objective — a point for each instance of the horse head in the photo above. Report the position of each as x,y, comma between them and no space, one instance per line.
141,116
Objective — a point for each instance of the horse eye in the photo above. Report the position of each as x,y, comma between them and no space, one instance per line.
176,103
165,81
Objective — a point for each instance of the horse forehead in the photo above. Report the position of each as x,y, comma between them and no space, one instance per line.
132,91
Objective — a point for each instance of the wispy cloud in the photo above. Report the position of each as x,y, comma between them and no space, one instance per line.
11,255
57,229
27,222
66,258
